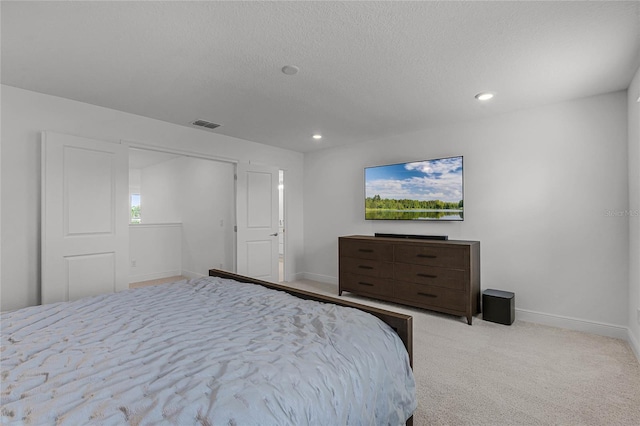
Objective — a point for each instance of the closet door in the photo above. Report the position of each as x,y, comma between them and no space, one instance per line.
257,216
85,217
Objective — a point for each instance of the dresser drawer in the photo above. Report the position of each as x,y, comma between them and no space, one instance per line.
431,296
442,276
430,275
448,257
366,250
370,268
365,284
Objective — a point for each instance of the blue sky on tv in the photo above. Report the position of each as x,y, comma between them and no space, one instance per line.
439,179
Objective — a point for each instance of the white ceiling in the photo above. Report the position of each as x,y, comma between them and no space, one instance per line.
367,69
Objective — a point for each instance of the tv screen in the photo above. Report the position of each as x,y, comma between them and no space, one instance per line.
429,190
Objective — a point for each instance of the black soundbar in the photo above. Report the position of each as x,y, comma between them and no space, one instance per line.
417,237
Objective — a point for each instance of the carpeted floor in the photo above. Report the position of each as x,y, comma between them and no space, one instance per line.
157,281
523,374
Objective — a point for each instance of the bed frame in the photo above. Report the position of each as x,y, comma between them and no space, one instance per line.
400,323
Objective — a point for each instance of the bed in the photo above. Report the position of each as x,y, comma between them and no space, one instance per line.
218,350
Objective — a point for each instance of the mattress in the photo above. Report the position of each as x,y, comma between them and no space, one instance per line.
209,351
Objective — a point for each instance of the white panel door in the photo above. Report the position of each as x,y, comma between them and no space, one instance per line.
85,217
257,216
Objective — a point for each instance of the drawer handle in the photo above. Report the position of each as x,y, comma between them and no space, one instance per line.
366,250
428,256
427,294
363,283
365,267
427,275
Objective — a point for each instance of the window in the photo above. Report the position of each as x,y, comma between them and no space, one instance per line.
135,208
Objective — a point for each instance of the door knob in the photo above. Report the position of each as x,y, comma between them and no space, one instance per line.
273,235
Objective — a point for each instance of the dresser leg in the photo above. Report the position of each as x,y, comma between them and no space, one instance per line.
339,292
469,319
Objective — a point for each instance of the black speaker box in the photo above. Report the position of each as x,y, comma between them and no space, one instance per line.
499,306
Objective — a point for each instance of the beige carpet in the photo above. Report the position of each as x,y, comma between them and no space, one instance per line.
157,281
523,374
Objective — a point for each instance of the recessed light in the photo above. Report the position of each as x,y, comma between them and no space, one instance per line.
290,69
317,136
484,96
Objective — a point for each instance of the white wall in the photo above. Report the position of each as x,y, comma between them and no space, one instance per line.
538,184
25,114
0,201
208,213
135,181
634,209
156,251
160,187
198,195
155,245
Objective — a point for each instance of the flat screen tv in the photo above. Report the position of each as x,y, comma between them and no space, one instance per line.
429,190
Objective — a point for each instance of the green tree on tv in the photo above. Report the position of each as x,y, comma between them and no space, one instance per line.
378,203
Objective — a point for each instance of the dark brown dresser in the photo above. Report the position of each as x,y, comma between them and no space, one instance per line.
442,276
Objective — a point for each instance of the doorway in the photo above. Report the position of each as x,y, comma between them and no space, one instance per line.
183,219
165,211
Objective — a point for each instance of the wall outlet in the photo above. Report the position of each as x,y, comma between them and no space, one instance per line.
133,263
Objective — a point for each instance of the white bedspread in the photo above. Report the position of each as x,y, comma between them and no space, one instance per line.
194,353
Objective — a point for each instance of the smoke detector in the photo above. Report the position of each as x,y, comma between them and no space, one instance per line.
290,70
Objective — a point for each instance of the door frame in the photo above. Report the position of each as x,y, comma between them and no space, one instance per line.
200,155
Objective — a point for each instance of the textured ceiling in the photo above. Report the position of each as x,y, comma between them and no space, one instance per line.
367,69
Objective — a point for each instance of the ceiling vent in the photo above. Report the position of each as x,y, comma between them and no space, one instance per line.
206,124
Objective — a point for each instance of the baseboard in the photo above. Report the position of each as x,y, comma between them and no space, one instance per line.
319,277
602,329
192,275
296,276
635,345
154,276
